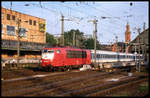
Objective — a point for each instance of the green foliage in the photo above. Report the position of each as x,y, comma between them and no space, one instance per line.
143,88
80,40
89,43
50,40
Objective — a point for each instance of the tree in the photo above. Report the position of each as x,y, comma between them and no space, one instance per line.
78,38
89,44
50,40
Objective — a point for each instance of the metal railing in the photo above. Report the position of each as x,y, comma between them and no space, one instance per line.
12,45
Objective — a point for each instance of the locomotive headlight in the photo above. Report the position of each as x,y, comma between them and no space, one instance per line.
58,51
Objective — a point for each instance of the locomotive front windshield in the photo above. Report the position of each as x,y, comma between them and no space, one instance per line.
47,54
48,51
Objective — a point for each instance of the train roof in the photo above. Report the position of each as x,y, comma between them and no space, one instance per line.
71,48
109,52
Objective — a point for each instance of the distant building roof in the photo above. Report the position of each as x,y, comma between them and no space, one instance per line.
106,47
144,41
144,37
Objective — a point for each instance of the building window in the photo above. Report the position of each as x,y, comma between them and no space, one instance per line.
10,30
22,32
30,22
34,23
41,27
8,16
13,17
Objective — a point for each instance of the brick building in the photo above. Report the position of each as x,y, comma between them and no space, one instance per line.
106,47
121,47
31,30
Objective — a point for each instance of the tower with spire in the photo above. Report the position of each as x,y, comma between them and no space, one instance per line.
127,33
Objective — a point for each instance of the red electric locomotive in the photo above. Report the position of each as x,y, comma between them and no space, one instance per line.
64,58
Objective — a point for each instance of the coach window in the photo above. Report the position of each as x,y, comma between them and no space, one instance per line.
58,51
113,56
102,56
110,56
97,56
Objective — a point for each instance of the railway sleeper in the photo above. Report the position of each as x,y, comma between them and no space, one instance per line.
116,88
95,88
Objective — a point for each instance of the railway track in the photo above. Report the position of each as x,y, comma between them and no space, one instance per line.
27,86
73,84
116,88
67,84
99,89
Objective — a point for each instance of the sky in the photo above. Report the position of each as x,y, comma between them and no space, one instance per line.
79,15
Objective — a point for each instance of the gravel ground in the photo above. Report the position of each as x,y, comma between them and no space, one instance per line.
91,78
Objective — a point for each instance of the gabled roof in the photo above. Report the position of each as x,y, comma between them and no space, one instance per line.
144,32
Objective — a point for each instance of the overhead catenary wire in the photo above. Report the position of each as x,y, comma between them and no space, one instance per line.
84,12
118,25
68,7
100,10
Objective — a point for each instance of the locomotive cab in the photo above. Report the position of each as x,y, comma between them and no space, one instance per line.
47,57
48,54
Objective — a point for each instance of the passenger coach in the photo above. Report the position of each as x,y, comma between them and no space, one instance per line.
109,56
